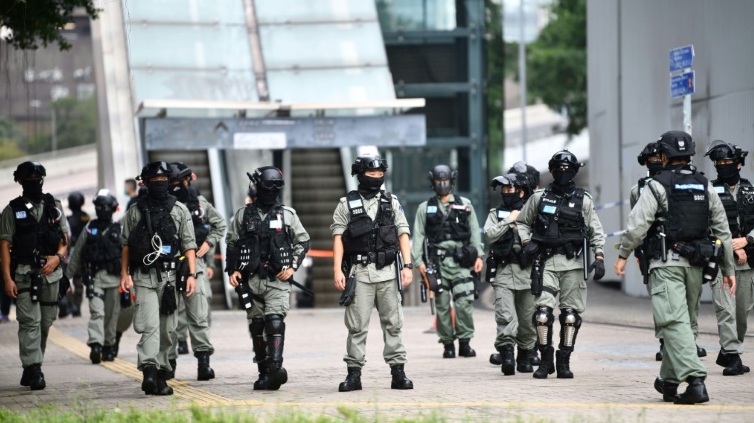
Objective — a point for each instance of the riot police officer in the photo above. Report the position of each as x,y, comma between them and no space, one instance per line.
97,258
266,244
737,196
559,225
677,210
193,311
157,236
371,237
33,239
510,277
77,220
454,244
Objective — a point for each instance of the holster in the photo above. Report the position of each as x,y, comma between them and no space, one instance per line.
346,298
168,303
181,274
88,282
537,275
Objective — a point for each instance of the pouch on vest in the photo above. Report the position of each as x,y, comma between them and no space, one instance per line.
466,256
281,254
353,238
387,240
63,286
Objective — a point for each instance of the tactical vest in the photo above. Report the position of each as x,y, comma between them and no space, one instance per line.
162,225
77,221
34,238
267,239
560,221
503,249
735,208
687,216
746,207
453,226
201,230
102,249
376,239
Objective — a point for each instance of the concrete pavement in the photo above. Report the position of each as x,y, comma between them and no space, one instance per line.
613,364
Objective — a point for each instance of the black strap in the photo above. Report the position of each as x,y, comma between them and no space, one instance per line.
49,303
553,292
22,290
306,290
460,295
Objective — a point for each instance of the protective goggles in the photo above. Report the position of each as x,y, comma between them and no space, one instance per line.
376,164
271,184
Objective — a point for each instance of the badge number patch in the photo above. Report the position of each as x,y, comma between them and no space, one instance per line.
549,209
431,209
21,214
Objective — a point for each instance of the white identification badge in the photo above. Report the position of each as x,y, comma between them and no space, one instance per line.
458,207
502,214
167,249
431,209
21,214
549,209
355,204
720,190
276,224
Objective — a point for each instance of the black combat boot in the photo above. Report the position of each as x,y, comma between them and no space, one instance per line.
96,353
696,392
107,353
667,389
204,372
534,358
149,384
262,383
162,386
169,374
275,328
496,359
117,343
735,367
723,361
547,366
658,355
36,378
450,351
563,364
508,364
465,350
353,380
700,352
400,381
523,364
183,347
26,376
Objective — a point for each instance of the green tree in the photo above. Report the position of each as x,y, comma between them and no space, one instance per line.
9,149
10,130
36,23
75,124
557,63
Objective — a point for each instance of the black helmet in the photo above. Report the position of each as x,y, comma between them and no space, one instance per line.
564,157
29,170
443,173
370,162
267,177
511,179
649,151
530,173
180,171
75,200
154,169
720,150
105,202
676,144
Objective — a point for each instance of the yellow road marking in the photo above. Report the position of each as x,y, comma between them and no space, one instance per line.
204,398
180,388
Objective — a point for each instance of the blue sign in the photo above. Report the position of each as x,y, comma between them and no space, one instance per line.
681,85
681,58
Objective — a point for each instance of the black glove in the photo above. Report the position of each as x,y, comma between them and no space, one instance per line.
598,267
168,304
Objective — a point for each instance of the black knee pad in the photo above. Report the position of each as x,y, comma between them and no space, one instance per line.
274,324
543,319
570,322
256,327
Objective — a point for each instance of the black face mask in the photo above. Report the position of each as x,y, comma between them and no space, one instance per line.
368,186
728,173
105,216
654,168
266,198
511,200
181,192
563,177
442,188
158,190
33,190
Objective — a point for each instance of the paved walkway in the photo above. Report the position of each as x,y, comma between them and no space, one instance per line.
613,363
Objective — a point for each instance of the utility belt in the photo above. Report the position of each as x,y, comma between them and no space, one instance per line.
698,252
379,259
465,256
